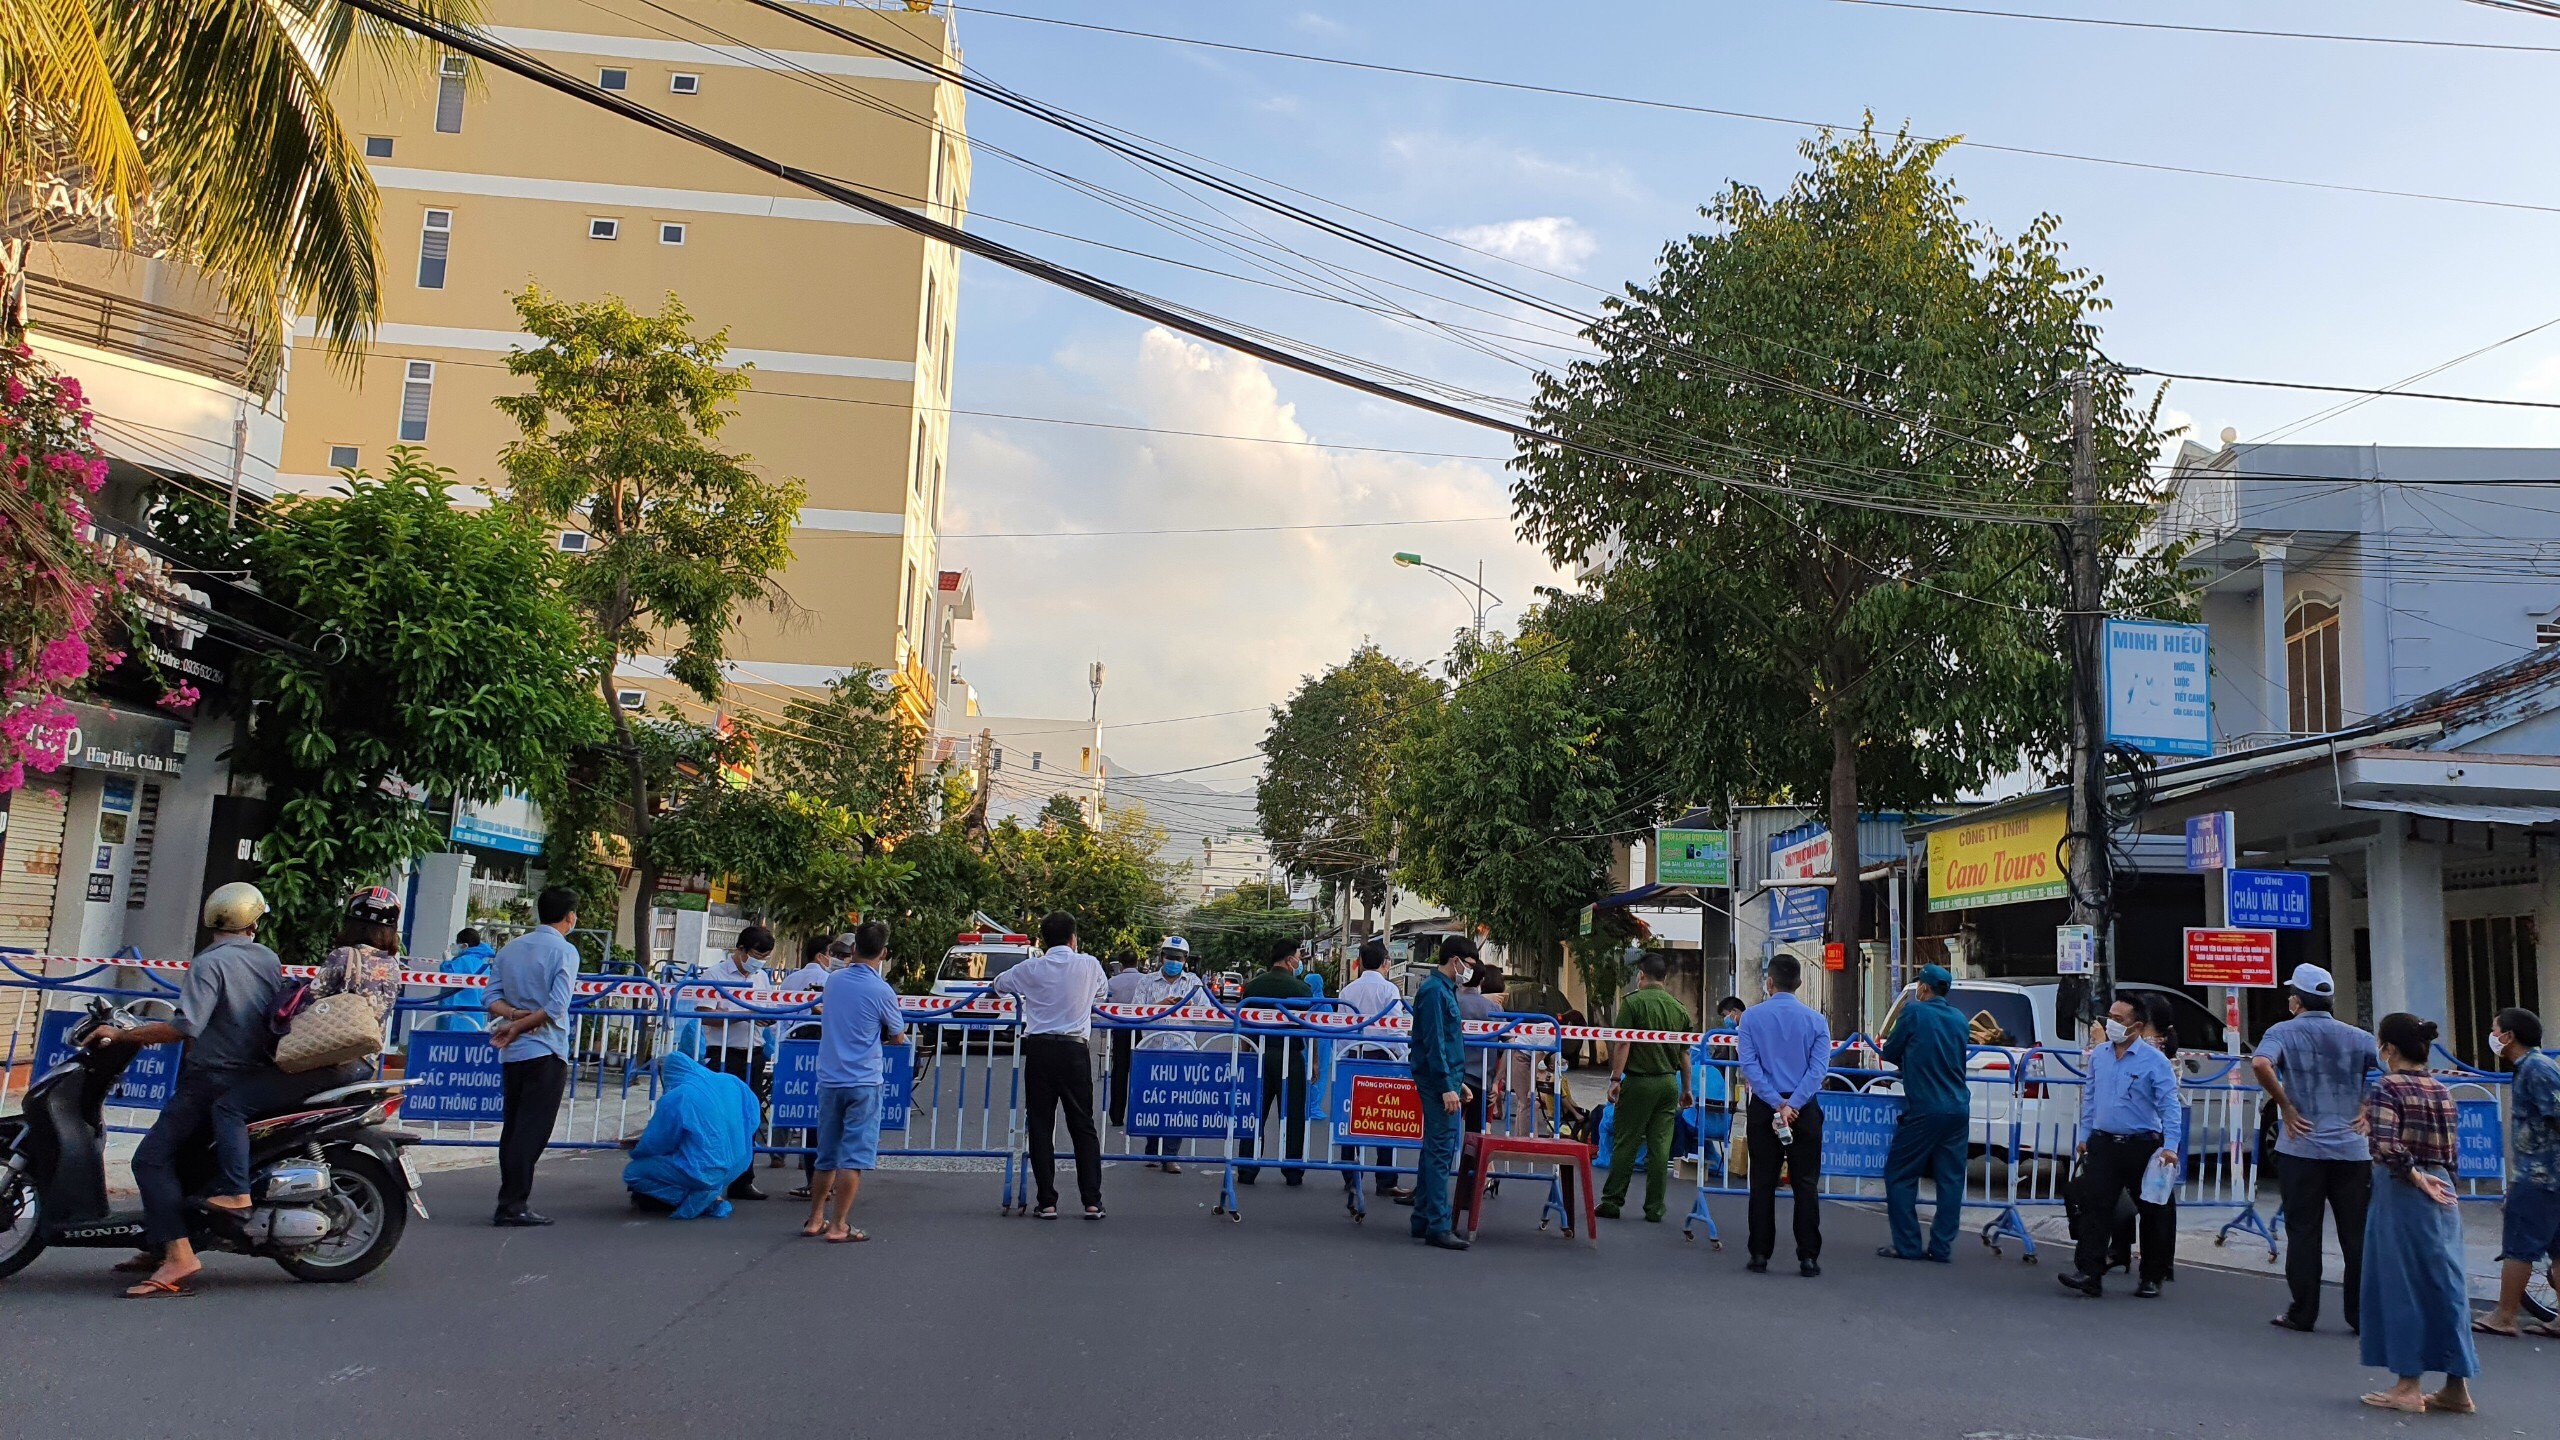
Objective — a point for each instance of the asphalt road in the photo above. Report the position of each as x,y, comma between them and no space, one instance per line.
1165,1321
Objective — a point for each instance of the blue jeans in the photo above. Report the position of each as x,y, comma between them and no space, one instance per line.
1933,1145
1440,1131
268,1092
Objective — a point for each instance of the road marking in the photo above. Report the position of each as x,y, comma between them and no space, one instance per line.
530,1279
352,1372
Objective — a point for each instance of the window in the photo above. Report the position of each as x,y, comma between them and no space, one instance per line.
2489,966
923,449
435,239
414,395
613,79
573,542
342,457
598,229
683,84
377,147
907,598
450,76
1035,760
2311,666
670,233
630,699
2546,633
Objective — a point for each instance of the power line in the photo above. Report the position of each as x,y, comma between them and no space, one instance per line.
2207,29
1646,102
2377,393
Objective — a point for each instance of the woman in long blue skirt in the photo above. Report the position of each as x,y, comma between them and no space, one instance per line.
2416,1302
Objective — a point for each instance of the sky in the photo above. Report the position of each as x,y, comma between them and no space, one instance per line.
1570,198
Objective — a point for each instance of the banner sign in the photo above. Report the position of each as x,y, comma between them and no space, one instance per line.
1693,857
795,1086
1798,912
2270,900
2209,841
2231,957
1193,1093
457,1077
2159,687
1376,1101
2000,861
146,1081
512,822
2479,1147
2075,949
1857,1130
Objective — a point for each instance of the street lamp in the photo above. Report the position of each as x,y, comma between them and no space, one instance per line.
1459,583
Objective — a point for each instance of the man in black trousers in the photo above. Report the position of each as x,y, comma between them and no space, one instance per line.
1284,1061
531,985
1053,994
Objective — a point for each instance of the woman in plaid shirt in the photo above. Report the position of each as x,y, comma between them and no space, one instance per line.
2416,1301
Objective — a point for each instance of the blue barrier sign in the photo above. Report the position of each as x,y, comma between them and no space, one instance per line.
1190,1093
795,1086
2479,1148
146,1081
457,1074
2270,900
1857,1130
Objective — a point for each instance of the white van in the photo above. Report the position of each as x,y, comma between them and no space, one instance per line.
974,959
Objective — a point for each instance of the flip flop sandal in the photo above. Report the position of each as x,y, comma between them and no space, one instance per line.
155,1289
850,1237
808,1234
2483,1327
2380,1401
2442,1406
2543,1328
138,1265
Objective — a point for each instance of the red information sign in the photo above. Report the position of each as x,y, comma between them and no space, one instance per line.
1835,956
2231,957
1385,1108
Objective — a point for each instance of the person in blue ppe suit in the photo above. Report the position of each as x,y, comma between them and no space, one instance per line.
461,1005
1927,1047
700,1138
1439,1064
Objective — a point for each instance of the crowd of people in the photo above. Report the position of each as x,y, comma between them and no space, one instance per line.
2365,1148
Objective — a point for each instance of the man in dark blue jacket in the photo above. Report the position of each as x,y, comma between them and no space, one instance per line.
1439,1063
1927,1046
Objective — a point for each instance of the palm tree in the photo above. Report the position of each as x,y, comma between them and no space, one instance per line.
208,122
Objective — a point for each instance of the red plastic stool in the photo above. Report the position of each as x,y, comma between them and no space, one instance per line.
1572,1159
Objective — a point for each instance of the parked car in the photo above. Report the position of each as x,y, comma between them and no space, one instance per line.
974,959
2015,1016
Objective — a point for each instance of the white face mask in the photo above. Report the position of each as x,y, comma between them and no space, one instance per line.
2497,1043
2117,1031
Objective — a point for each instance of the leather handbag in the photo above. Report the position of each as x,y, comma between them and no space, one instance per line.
331,1030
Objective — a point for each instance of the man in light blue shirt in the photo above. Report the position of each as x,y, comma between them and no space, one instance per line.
2130,1123
2313,1068
856,1020
1785,1048
530,984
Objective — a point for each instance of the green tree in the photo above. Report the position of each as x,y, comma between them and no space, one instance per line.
800,858
1322,795
618,439
207,126
431,652
1106,874
1234,931
850,745
1505,799
948,879
1855,339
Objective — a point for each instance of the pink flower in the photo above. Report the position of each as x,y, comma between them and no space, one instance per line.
66,658
17,390
12,777
69,388
181,698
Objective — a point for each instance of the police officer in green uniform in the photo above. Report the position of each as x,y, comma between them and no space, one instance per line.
1649,1086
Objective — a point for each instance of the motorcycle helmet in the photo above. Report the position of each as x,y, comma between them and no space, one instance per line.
236,906
374,906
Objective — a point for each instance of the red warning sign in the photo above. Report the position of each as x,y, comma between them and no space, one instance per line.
1385,1108
2231,957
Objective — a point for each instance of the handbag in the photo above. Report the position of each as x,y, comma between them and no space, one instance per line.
331,1030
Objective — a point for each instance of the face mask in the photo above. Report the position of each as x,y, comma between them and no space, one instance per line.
2116,1032
2497,1043
755,964
1173,969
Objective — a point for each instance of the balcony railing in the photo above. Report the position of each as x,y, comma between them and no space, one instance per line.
68,310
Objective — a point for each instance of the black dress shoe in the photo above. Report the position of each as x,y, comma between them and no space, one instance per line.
1446,1240
522,1219
746,1192
2089,1285
1757,1265
2287,1322
2149,1289
1808,1268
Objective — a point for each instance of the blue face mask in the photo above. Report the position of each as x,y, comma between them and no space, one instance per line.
1173,969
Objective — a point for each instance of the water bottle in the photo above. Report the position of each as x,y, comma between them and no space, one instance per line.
1786,1133
2159,1183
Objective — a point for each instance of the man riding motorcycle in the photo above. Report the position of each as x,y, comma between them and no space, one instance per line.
223,1019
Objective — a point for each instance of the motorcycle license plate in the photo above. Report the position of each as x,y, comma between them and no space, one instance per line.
409,1168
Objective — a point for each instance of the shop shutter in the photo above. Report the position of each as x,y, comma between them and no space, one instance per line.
30,866
146,831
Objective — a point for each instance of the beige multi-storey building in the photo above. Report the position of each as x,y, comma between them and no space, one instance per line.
490,183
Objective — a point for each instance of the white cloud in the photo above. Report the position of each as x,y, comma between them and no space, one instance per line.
1325,25
1550,242
1435,157
1193,623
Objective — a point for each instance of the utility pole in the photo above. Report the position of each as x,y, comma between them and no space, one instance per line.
2091,873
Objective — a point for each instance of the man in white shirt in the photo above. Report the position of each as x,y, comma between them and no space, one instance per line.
1372,994
736,1047
1170,987
1053,996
